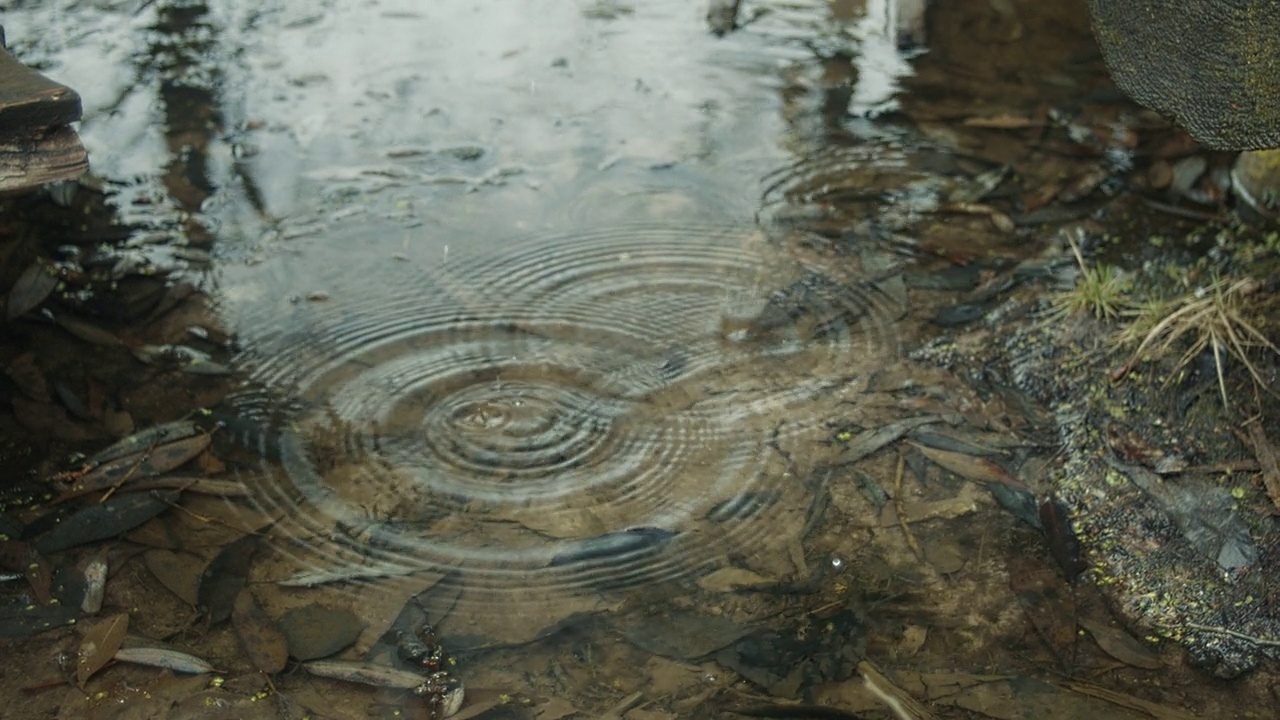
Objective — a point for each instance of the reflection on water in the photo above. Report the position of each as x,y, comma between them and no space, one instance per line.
507,307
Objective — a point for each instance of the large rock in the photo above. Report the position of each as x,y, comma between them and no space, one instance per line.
1211,65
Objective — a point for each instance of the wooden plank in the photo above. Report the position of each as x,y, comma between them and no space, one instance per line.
31,100
42,156
37,145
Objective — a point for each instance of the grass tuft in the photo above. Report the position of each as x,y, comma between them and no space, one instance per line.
1218,318
1101,291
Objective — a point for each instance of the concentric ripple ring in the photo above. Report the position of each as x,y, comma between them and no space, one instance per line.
569,408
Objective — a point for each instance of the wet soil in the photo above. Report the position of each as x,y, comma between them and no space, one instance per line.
612,368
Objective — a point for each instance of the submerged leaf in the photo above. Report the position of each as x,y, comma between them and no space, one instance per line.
364,673
1120,644
316,631
969,467
224,577
99,646
106,520
164,658
179,573
32,287
146,463
265,644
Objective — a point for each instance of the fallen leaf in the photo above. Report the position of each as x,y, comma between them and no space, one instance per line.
179,573
106,520
265,644
1120,645
969,467
99,646
146,463
32,287
317,631
174,660
26,375
19,556
223,578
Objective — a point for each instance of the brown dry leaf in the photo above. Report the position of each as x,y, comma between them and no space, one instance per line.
34,285
266,646
971,468
99,646
1120,644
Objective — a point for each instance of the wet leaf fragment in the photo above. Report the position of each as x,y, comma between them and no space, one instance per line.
1120,644
31,289
106,520
969,467
364,673
147,463
99,646
180,574
224,577
146,439
265,644
317,631
165,658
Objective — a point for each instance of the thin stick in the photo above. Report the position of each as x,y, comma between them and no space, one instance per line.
899,508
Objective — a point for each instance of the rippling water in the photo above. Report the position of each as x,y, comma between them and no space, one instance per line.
503,287
507,302
590,406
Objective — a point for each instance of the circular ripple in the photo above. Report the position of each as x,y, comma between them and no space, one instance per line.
563,411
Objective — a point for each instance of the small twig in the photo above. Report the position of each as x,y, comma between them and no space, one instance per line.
900,509
1256,640
617,711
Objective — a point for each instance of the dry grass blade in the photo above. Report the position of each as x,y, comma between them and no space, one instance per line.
1216,318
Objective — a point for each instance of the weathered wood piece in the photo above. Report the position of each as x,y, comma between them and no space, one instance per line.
37,144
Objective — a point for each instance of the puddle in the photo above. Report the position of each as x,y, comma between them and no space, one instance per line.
570,352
